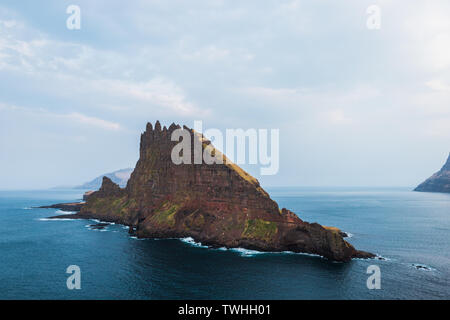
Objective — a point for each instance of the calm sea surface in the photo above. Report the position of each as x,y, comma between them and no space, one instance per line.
406,228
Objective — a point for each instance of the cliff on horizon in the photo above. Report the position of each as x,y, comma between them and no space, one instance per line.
438,182
119,177
219,205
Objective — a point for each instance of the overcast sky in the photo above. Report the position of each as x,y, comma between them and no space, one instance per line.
355,107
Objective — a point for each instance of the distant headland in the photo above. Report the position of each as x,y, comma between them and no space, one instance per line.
119,177
438,182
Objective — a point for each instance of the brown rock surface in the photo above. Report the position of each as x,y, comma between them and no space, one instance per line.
218,205
87,194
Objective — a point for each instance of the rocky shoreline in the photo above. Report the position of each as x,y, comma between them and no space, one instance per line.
69,207
105,221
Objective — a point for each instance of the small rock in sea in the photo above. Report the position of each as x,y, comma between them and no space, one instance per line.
98,226
421,267
131,230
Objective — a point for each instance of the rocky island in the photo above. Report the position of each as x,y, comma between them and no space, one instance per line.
438,182
219,205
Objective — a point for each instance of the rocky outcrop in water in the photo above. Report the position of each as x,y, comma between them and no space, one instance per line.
219,205
70,207
438,182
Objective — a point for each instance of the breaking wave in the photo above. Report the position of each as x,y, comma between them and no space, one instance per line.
191,241
60,212
242,251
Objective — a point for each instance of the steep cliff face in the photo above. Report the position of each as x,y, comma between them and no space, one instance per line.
438,182
216,204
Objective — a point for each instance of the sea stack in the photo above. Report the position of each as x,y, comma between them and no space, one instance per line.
438,182
219,205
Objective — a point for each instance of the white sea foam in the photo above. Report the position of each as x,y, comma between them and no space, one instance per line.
305,254
250,253
191,241
377,257
242,251
136,238
246,252
60,212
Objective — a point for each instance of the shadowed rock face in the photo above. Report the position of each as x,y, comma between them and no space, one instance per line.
438,182
219,205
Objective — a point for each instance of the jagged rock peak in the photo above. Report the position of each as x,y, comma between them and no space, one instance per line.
156,132
173,127
109,187
157,126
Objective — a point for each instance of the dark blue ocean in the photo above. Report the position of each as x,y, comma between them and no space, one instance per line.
404,227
